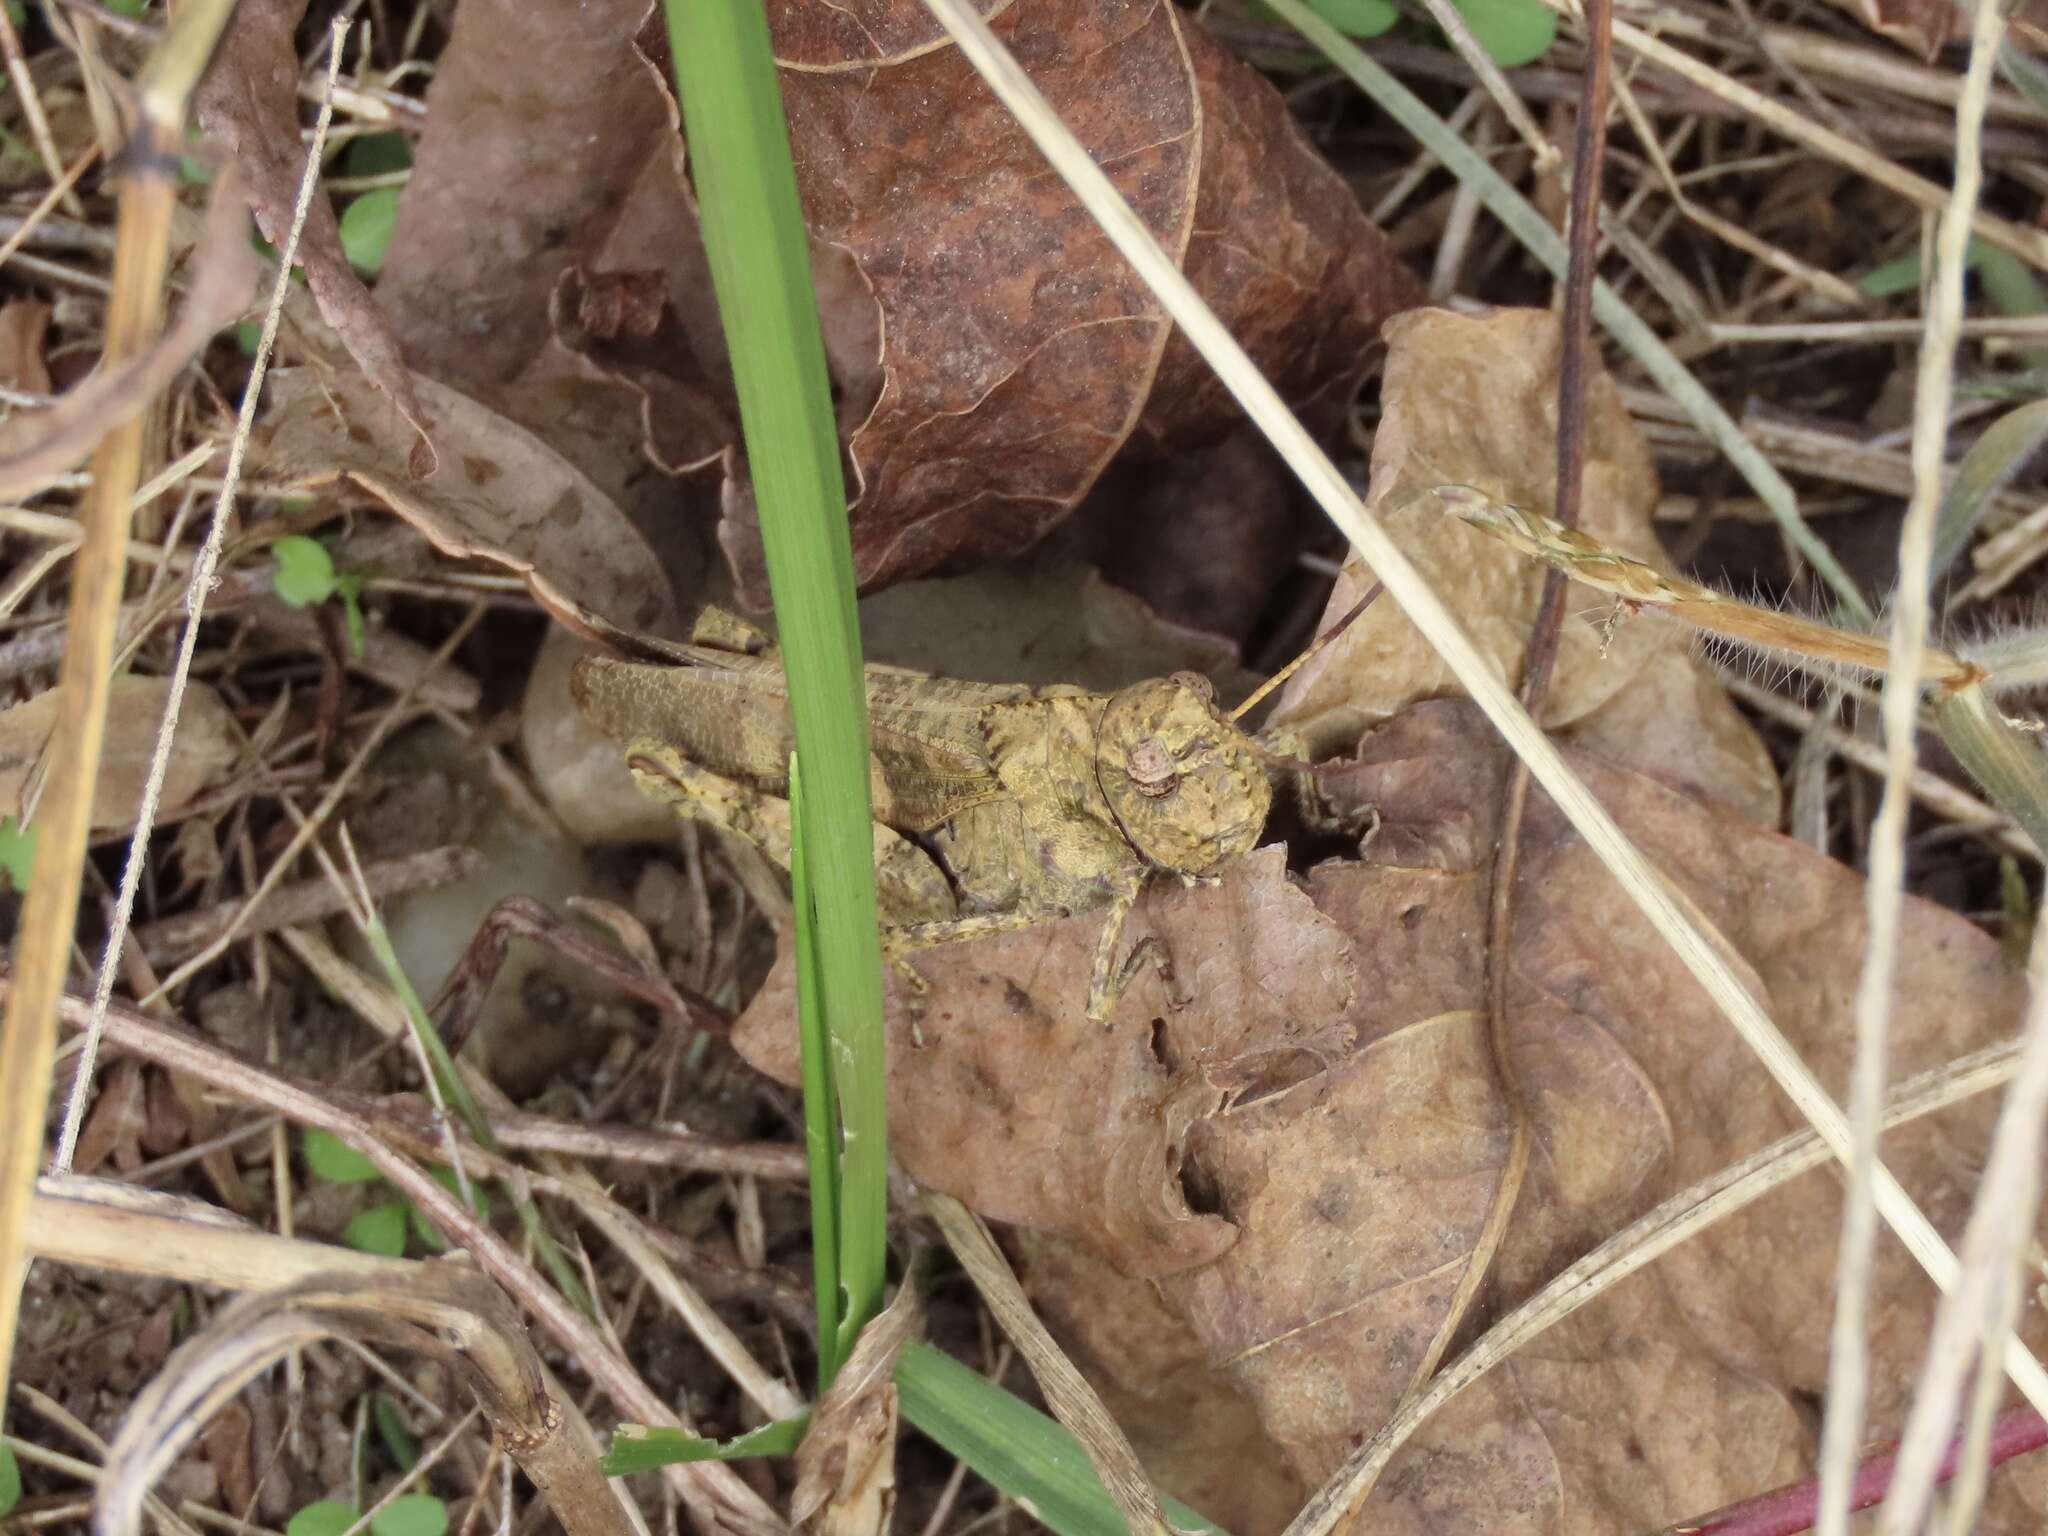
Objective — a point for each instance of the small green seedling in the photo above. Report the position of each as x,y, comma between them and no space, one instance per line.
391,1430
323,1517
10,1479
411,1514
379,1229
366,226
1513,32
334,1160
306,576
17,852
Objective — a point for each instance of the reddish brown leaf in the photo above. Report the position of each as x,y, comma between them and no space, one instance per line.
1019,354
248,103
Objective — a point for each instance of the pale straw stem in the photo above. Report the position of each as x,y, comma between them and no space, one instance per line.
196,592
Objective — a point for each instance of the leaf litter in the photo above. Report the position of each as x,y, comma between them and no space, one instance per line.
1270,1200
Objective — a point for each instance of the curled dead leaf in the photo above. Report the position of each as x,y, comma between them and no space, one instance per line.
1019,353
205,745
507,497
1094,1149
248,103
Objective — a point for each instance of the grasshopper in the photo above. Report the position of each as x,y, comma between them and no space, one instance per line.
996,806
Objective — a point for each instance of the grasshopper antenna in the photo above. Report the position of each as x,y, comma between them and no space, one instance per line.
1315,647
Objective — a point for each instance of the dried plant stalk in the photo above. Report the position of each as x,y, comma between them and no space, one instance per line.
1585,559
134,316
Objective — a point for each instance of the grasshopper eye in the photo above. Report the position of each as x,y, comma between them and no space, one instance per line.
1152,768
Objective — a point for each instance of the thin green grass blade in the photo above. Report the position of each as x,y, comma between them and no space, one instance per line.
760,267
1543,242
455,1093
821,1106
645,1448
2000,452
1015,1447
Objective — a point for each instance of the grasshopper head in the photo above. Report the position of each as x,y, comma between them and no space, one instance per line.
1188,787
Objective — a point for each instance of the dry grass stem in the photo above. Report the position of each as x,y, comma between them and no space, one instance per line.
2031,245
1933,791
49,913
196,593
1641,586
1885,887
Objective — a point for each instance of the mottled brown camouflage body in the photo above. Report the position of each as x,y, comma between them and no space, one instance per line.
1034,803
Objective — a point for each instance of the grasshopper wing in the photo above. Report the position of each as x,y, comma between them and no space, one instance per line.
730,713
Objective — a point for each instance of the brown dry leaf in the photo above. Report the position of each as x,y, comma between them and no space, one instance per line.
1473,401
1305,1161
1149,1365
248,103
1019,352
540,120
1637,1088
1093,1150
504,496
24,325
205,745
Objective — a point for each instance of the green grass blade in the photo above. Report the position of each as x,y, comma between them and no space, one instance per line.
456,1095
644,1448
760,266
821,1108
1015,1447
2004,449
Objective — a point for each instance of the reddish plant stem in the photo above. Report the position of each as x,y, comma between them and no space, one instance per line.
1784,1511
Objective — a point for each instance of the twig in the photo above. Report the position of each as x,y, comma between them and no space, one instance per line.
305,901
2029,244
27,225
1785,1511
709,1487
1884,890
196,592
50,910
